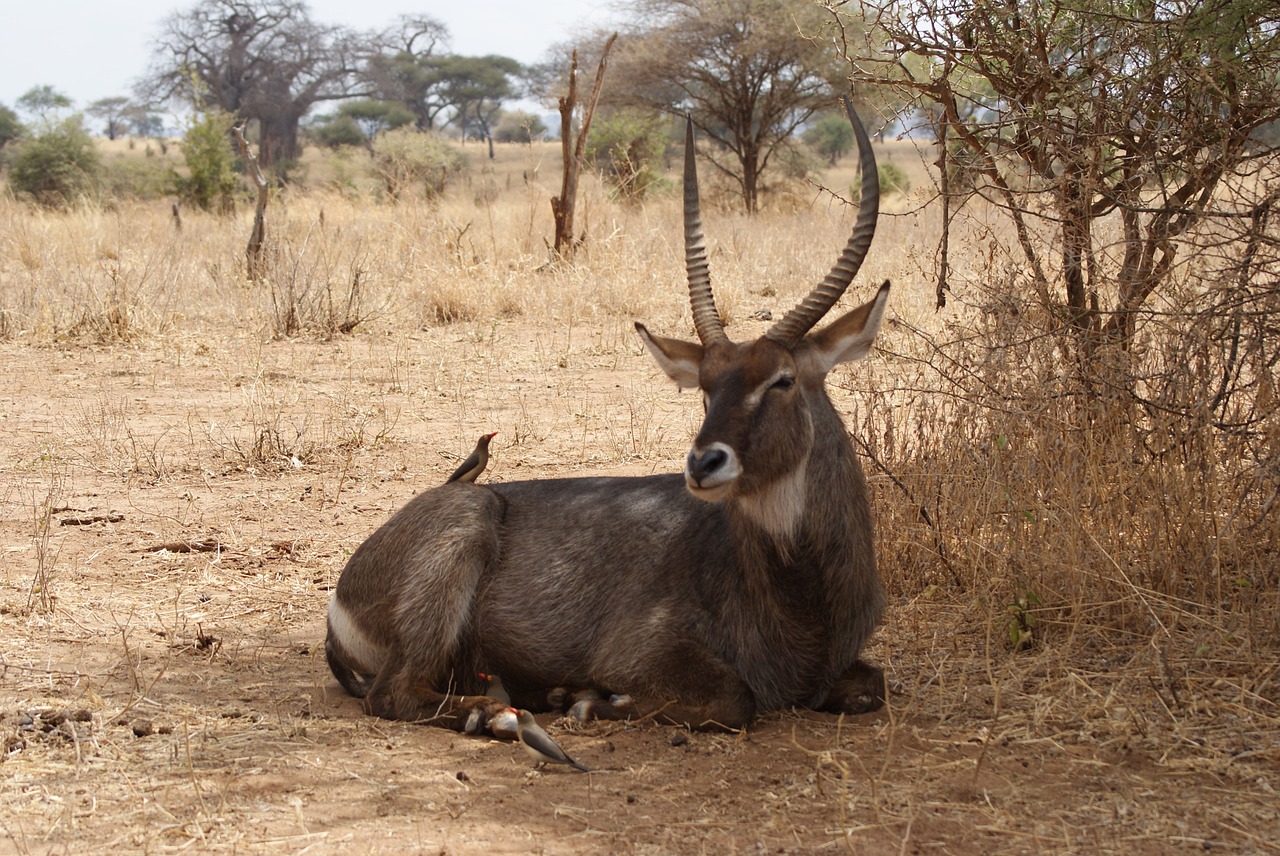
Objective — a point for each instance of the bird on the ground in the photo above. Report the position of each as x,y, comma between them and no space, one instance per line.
475,463
539,744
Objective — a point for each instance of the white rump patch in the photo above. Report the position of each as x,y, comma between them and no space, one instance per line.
368,656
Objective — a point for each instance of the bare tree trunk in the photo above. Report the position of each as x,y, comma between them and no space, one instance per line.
562,206
1075,249
254,252
751,178
944,245
277,139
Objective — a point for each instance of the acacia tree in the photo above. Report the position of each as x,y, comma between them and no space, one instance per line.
831,136
10,127
374,117
44,103
405,67
260,60
143,121
114,113
476,87
749,72
1074,115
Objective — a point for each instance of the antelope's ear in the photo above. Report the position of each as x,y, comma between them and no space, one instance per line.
679,359
850,336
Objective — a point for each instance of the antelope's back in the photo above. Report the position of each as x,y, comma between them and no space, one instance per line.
599,538
585,558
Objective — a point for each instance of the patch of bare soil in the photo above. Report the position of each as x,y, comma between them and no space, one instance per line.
175,517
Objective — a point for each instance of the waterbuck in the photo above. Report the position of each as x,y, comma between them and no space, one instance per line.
746,584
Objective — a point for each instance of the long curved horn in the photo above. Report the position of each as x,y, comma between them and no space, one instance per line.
819,301
706,320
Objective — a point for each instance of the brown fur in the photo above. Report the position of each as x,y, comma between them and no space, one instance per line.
632,585
747,585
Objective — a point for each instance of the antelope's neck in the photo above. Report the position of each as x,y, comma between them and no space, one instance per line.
810,499
779,510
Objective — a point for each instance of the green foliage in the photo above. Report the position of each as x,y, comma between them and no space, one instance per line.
334,132
1023,620
10,127
517,126
375,117
627,148
137,178
407,157
477,86
210,182
831,136
357,123
892,180
414,81
43,102
57,166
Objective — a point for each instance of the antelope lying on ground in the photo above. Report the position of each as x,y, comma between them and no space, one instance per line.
746,585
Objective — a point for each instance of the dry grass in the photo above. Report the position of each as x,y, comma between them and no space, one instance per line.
1083,641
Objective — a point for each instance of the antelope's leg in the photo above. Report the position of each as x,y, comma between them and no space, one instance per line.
695,689
417,584
403,692
861,690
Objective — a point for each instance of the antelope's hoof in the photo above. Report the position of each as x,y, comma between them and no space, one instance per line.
862,690
503,725
562,699
484,715
617,707
586,710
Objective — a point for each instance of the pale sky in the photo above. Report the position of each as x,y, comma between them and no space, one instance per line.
91,49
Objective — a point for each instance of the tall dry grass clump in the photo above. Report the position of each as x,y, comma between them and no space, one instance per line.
1089,497
341,256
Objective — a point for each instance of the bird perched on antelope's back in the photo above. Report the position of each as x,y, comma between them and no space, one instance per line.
539,744
475,463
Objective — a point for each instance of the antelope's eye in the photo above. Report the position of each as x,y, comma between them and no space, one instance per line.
784,382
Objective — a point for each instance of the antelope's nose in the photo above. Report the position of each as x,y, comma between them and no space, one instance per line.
705,464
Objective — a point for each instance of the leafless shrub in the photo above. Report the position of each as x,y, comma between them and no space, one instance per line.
317,287
405,159
1091,438
1132,505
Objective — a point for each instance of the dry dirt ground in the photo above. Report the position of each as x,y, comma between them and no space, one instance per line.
176,513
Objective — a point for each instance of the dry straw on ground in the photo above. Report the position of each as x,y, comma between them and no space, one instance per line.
1082,646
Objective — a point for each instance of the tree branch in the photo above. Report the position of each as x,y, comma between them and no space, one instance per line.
254,254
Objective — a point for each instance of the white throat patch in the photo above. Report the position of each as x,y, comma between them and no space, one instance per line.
779,508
